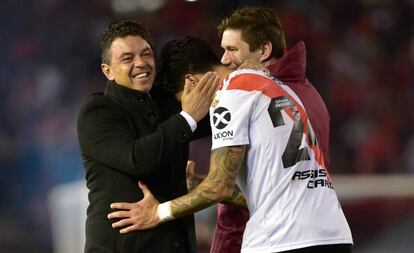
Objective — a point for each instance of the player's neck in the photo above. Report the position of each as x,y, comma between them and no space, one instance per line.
222,71
269,62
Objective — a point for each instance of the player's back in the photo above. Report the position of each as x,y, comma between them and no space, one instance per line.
290,196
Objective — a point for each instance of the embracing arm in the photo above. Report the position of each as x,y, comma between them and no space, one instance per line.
219,185
237,198
106,136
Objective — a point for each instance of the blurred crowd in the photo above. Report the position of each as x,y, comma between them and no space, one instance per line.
360,58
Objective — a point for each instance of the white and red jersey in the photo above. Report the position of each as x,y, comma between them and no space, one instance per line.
288,190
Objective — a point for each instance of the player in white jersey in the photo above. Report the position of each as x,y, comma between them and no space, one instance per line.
262,140
286,185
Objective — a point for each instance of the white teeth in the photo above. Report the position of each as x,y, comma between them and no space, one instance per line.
142,75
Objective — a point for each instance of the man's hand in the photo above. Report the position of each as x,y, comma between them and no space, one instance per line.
252,64
136,216
196,100
192,179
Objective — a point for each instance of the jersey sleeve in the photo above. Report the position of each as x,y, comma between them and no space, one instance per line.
230,117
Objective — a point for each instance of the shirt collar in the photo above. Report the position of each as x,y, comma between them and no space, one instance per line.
124,94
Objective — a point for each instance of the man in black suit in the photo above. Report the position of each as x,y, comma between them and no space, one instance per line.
134,132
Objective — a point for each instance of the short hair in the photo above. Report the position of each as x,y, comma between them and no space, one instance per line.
258,25
120,29
187,55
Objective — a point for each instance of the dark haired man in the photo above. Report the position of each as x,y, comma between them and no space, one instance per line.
130,132
257,33
263,139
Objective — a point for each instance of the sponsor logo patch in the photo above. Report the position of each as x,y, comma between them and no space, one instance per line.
225,135
221,117
315,178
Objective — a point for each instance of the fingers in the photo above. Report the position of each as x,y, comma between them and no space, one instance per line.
121,205
128,229
255,65
210,83
202,83
119,215
250,64
213,88
144,189
122,223
187,87
190,168
190,174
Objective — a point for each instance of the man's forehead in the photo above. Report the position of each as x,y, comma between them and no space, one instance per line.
232,37
128,44
130,40
232,33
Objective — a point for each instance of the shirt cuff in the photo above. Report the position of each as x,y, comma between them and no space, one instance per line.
191,122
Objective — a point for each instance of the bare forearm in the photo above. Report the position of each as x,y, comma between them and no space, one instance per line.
237,199
201,197
219,184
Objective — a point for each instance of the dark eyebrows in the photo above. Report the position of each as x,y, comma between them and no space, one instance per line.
125,54
230,48
146,50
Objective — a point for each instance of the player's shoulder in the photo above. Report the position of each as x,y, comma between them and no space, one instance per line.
95,101
248,80
98,98
254,82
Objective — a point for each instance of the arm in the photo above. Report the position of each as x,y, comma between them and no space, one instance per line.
225,162
218,186
105,135
237,199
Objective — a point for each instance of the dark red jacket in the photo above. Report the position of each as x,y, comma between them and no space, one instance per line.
290,69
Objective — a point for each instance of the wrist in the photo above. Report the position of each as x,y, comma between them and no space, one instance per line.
164,212
190,120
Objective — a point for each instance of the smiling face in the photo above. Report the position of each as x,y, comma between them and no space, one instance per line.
236,50
132,63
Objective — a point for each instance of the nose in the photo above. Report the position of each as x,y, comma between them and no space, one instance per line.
139,61
225,59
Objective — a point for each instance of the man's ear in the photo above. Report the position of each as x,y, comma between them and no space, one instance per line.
266,51
190,79
106,69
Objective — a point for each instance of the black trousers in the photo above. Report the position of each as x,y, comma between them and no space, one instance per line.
333,248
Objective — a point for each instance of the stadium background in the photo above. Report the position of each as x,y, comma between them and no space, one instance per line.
360,57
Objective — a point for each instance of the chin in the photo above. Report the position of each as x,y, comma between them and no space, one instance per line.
234,67
143,87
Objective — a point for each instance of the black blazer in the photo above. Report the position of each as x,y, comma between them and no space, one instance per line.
125,136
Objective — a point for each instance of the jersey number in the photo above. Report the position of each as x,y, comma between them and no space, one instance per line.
293,153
